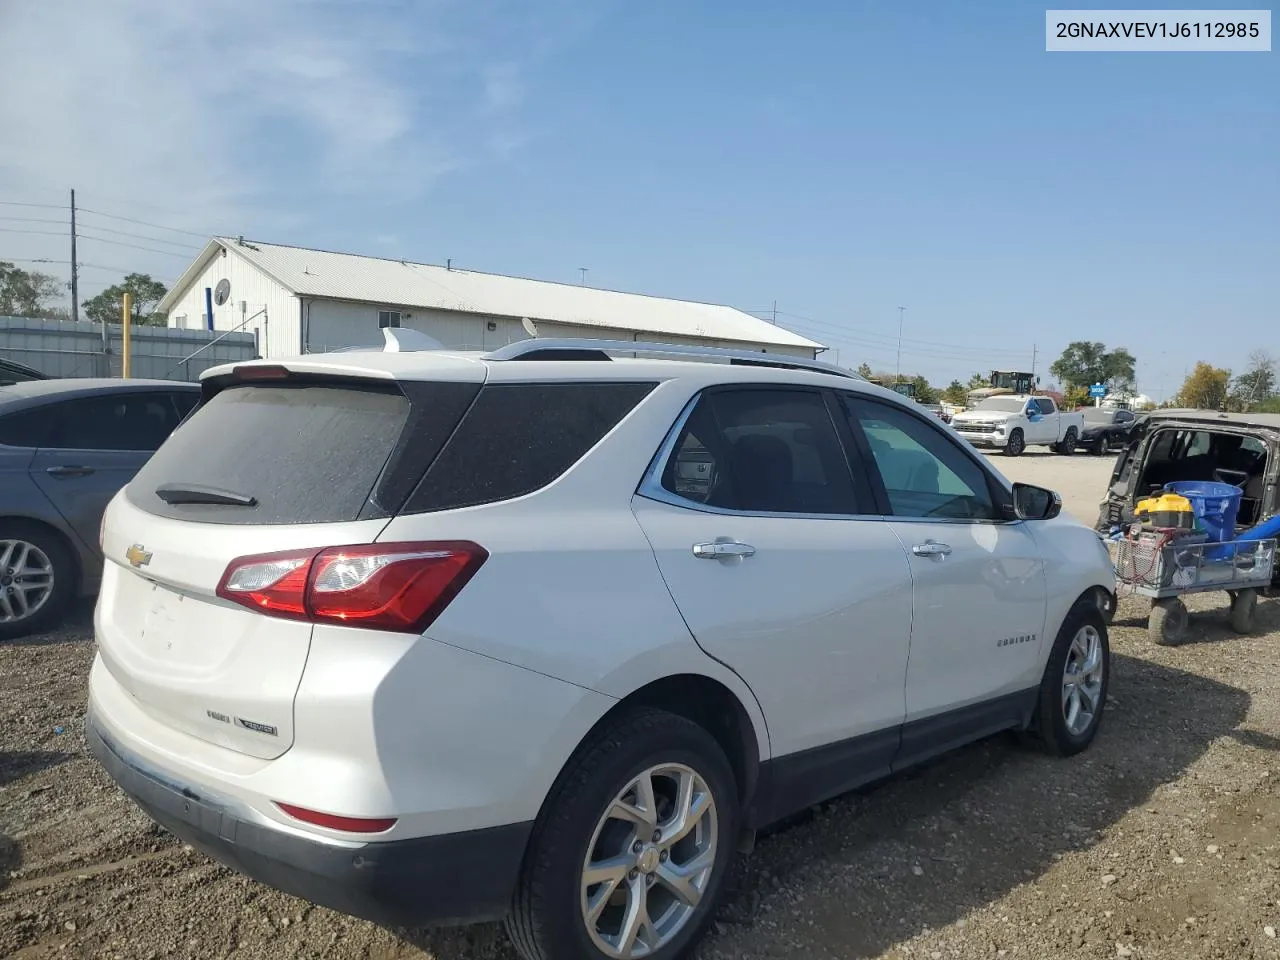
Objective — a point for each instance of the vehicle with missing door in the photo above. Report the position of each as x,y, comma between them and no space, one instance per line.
66,447
546,634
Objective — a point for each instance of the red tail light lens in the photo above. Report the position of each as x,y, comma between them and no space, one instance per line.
335,822
381,586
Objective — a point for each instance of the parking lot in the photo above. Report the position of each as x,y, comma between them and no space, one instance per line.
1161,841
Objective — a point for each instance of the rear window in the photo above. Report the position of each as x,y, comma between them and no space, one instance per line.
519,437
306,453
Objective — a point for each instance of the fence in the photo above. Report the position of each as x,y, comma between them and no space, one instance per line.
70,348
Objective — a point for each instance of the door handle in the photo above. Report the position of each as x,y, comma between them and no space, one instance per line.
69,470
723,549
932,548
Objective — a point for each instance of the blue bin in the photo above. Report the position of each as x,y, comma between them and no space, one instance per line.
1214,504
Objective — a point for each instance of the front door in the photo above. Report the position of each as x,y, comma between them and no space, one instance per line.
96,446
978,625
767,545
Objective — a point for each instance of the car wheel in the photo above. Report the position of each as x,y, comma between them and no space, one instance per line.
1073,691
1068,445
629,856
1243,606
1169,622
37,578
1015,445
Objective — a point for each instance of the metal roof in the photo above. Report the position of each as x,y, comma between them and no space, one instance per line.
400,283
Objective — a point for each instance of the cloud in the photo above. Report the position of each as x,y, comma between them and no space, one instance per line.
244,116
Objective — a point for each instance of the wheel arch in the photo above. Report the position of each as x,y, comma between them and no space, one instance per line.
67,542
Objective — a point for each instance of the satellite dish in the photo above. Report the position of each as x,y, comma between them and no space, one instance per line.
222,292
530,327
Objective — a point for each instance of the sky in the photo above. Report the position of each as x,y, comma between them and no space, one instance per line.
837,160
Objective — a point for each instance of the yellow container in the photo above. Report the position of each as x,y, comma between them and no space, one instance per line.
1168,511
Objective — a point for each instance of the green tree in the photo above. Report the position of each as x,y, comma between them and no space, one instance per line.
1118,369
146,293
1086,362
978,381
864,370
28,293
1257,385
955,392
1205,388
924,392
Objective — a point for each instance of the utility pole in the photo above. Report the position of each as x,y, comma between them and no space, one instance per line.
901,311
126,321
1034,355
583,270
75,269
775,313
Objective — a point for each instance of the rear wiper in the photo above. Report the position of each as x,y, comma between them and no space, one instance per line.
175,493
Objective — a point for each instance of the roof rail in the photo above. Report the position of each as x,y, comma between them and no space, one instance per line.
550,348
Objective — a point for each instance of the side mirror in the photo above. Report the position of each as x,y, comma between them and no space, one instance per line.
1035,503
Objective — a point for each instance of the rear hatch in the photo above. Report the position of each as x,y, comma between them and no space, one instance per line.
293,462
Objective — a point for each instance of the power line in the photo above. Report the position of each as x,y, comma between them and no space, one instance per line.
32,220
133,246
82,265
142,236
144,223
23,203
942,353
33,233
891,339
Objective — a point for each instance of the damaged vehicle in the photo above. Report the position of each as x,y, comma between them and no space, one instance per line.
1189,447
1242,449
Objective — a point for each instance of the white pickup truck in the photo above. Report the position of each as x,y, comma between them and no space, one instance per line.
1017,422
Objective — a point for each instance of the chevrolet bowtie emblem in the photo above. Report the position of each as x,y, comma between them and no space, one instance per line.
137,556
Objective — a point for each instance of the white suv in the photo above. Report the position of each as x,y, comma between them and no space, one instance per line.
547,633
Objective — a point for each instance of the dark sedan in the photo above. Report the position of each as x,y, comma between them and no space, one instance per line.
1106,429
66,447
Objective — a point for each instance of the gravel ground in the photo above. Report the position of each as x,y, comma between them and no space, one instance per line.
1161,841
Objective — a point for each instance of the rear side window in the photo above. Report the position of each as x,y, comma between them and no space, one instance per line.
29,427
122,421
762,451
519,437
307,453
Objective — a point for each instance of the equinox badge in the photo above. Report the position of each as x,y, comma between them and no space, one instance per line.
137,556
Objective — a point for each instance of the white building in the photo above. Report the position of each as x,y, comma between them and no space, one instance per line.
308,301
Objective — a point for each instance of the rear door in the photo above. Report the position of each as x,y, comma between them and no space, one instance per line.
97,444
259,468
763,536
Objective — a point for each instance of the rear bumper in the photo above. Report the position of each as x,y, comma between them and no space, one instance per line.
451,878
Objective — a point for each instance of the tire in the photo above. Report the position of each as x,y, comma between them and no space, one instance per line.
548,918
1055,728
1015,445
1169,622
36,548
1100,447
1243,606
1068,445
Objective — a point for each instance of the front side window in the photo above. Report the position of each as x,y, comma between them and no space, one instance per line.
1046,406
127,421
763,451
923,472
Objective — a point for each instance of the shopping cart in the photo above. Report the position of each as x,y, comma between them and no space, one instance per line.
1165,567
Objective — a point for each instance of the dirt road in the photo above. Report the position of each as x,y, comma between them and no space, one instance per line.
1163,841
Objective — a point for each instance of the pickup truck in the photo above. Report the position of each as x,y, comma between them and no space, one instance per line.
1017,422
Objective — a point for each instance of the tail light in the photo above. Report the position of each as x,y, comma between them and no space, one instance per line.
334,821
380,586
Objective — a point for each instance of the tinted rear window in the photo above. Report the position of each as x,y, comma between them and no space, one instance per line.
307,453
519,437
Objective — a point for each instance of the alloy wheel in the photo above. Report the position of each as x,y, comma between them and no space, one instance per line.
650,861
26,580
1082,677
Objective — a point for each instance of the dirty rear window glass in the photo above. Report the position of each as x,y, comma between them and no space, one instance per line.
306,454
